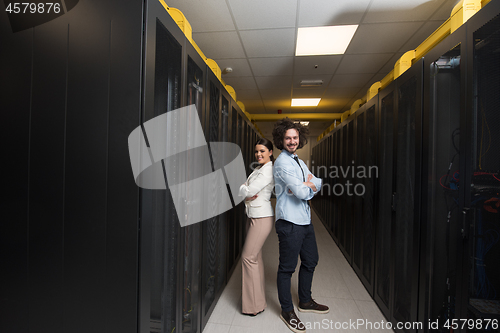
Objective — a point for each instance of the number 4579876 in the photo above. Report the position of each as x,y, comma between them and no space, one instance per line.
31,7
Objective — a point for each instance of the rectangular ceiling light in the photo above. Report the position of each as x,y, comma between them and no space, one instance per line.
324,40
305,101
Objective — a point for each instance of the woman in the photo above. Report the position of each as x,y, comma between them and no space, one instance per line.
257,191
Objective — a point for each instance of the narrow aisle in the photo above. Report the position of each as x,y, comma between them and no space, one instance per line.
335,284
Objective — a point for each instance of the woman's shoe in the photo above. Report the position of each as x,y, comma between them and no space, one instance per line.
253,314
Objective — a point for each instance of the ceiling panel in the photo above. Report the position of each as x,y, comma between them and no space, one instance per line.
401,10
326,64
308,93
350,80
281,93
240,66
206,15
272,66
245,94
240,82
313,13
395,34
219,45
425,31
273,82
444,12
269,43
254,103
263,14
363,63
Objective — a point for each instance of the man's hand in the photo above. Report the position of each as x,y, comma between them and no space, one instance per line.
310,185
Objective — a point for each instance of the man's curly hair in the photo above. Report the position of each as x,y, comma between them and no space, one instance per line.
283,125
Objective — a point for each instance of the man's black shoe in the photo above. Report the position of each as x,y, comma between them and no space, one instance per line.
292,321
312,306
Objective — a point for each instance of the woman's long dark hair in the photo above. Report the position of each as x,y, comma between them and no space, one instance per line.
268,144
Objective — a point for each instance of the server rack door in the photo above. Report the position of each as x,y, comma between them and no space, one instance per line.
241,206
342,181
383,292
319,197
349,163
316,162
227,133
225,218
482,171
331,181
359,147
160,247
367,176
328,192
191,236
212,227
347,179
406,230
441,217
337,183
234,213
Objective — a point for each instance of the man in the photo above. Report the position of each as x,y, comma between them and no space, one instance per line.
294,186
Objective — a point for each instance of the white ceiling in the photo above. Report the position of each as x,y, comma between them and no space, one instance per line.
257,38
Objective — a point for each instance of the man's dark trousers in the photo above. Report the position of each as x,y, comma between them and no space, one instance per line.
295,240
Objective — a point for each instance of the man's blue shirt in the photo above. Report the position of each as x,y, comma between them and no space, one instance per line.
293,207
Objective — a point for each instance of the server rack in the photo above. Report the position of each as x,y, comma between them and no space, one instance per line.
479,296
366,173
384,253
359,147
444,101
406,199
331,181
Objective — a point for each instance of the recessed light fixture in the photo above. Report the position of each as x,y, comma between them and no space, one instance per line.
324,40
305,101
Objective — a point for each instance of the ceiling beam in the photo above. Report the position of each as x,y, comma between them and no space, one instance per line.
298,116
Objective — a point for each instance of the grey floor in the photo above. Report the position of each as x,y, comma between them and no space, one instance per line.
335,284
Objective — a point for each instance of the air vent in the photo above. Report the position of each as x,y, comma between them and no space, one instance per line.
311,83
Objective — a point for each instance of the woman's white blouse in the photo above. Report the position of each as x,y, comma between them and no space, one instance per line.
260,182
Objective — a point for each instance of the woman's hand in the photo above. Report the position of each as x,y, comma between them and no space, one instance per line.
251,198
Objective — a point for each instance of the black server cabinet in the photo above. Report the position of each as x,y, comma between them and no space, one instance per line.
365,173
342,182
71,94
397,233
384,254
191,277
161,286
406,198
330,198
212,227
347,219
359,147
444,102
479,298
321,197
338,199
